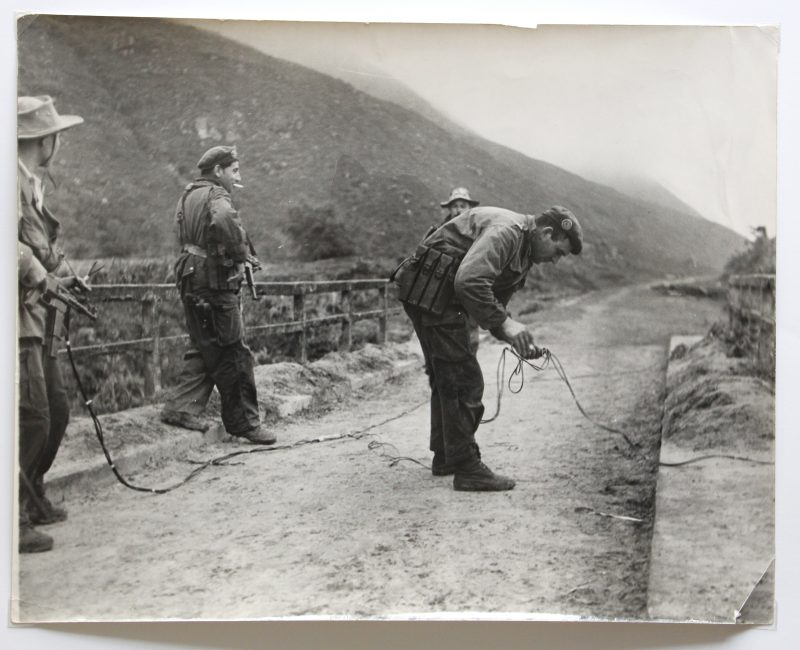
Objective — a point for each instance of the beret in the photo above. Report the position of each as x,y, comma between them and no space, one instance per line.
562,220
219,155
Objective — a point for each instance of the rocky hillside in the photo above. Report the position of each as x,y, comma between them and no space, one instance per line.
156,94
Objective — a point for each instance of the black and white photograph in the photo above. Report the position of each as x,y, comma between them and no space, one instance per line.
358,321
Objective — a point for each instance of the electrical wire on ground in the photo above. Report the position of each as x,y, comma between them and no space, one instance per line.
549,360
707,456
217,461
552,359
518,373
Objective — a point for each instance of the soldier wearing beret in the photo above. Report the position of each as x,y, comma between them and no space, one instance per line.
209,273
43,405
489,252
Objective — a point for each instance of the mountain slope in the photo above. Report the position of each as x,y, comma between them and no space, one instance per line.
155,95
646,189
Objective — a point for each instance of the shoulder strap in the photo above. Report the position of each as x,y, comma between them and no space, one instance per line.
180,216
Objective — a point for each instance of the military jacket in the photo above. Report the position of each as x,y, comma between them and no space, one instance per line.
37,253
494,244
213,240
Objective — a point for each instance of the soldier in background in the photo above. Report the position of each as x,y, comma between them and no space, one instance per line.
209,273
43,404
458,202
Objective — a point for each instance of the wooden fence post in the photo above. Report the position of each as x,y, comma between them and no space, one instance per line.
346,339
384,306
152,357
299,304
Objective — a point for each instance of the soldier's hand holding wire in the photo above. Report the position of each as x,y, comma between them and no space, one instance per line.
520,338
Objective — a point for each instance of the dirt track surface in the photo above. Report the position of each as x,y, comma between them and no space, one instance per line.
331,528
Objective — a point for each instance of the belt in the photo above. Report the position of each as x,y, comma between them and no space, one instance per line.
194,250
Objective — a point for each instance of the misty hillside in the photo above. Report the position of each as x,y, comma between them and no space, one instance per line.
647,189
155,95
383,87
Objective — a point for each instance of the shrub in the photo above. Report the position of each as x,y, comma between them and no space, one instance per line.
758,257
318,234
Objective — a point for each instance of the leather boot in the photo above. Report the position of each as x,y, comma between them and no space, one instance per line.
185,420
259,436
45,513
32,540
474,476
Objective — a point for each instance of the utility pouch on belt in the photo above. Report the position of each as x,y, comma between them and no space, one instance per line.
426,279
204,313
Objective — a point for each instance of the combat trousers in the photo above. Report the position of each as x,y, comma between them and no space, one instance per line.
194,387
456,382
216,330
43,415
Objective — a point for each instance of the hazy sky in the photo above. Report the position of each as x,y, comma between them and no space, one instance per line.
690,107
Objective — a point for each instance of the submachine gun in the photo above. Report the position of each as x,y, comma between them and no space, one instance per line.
59,300
246,269
251,266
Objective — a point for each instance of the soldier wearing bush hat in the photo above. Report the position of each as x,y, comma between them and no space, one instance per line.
37,117
484,256
43,405
458,202
215,248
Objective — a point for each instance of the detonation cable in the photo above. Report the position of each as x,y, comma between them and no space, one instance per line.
98,428
560,370
707,456
550,359
377,445
218,461
517,372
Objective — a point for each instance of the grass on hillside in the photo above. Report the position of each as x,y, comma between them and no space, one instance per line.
155,95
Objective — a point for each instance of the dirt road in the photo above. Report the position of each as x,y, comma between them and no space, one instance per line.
332,529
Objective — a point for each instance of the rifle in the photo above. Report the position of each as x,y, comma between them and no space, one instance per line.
59,300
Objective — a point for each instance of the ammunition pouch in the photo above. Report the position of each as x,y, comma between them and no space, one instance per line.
426,280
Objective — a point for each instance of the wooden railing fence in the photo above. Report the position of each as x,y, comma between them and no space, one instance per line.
751,311
149,345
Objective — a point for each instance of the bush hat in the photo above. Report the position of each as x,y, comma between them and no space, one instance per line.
460,193
219,155
562,220
37,117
